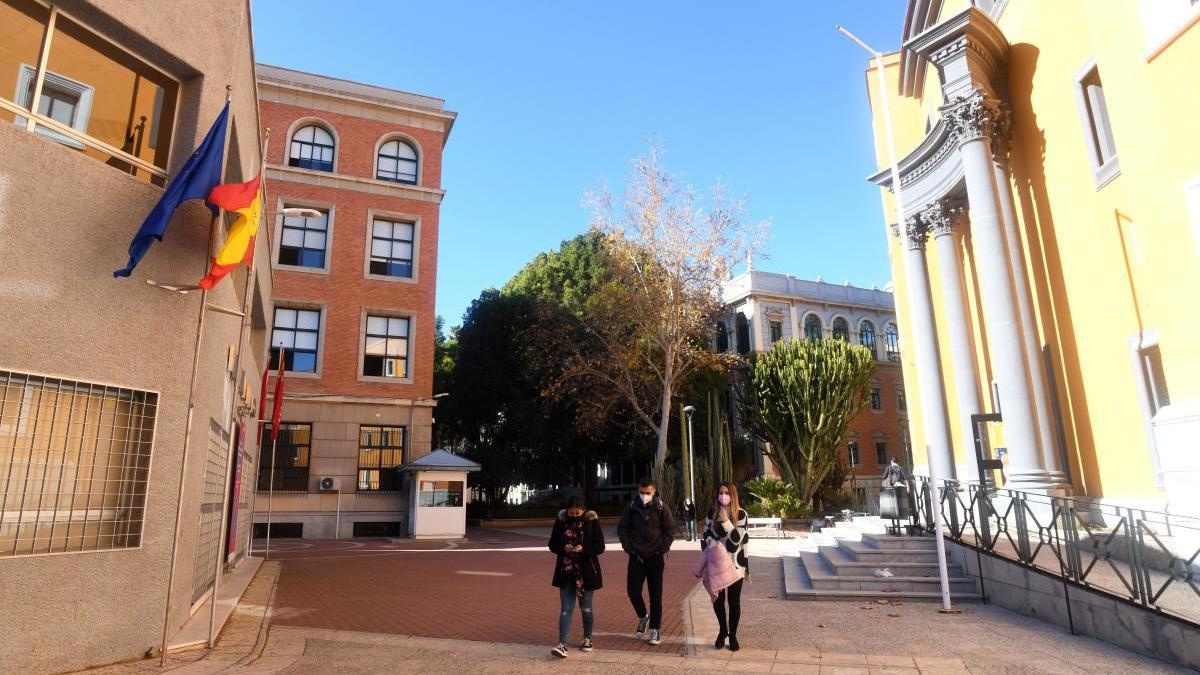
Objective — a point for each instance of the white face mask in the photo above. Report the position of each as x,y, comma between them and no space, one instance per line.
646,499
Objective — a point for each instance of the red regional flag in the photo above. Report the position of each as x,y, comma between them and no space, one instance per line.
262,396
278,409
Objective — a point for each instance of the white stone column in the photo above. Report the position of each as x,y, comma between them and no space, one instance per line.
939,218
1001,144
972,118
934,423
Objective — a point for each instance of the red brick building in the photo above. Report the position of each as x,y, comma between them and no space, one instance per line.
354,176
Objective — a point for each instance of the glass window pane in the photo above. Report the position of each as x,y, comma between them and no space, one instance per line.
380,248
397,347
402,250
285,318
387,165
305,133
22,23
404,231
306,340
292,237
304,362
398,327
382,228
285,338
322,136
308,319
318,223
405,150
314,240
376,346
116,91
377,325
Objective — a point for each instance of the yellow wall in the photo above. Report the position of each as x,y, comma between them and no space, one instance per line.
1103,263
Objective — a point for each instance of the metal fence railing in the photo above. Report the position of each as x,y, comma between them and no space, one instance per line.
1147,558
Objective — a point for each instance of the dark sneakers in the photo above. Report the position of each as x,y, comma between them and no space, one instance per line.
587,645
641,627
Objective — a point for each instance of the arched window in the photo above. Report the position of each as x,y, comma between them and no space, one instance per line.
866,337
892,341
312,148
841,329
812,327
743,334
397,162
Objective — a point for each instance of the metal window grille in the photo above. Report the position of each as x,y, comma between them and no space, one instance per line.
881,457
74,464
391,248
812,327
841,330
380,454
852,453
876,399
866,337
892,342
291,452
209,526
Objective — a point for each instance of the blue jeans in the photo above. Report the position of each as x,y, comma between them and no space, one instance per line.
566,598
691,525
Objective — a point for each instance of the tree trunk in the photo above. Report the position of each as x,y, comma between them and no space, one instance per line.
664,425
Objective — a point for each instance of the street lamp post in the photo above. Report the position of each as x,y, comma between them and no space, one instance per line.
689,410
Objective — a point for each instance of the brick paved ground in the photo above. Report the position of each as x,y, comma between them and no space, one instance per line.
502,594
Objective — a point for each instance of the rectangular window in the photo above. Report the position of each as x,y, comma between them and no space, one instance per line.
89,94
1096,124
279,530
74,464
901,401
852,453
776,330
385,351
303,240
441,493
380,454
1155,378
876,399
881,456
292,449
392,248
298,332
377,529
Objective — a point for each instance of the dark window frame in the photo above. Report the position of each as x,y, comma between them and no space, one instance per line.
866,336
398,176
293,353
373,457
775,330
813,328
304,255
852,454
876,398
389,265
841,329
881,453
375,365
891,337
297,148
292,458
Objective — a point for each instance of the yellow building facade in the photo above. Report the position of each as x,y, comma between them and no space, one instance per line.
1046,253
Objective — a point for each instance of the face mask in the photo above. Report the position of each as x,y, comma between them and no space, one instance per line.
724,499
646,499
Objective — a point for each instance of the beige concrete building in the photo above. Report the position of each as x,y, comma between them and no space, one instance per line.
354,304
96,372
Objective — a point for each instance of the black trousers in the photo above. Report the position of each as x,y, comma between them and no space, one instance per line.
648,571
733,595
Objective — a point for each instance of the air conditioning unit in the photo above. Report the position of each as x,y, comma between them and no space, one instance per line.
329,484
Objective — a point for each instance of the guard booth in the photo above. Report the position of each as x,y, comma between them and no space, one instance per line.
438,495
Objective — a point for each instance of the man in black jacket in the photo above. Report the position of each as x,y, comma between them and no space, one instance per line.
646,531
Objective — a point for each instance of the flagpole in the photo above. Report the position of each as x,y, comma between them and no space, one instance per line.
191,405
271,478
231,455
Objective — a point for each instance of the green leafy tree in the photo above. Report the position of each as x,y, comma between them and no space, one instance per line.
799,399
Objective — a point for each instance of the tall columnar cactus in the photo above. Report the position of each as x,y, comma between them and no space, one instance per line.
799,399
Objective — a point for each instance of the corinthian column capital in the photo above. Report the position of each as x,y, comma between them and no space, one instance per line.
972,117
941,216
917,231
1002,132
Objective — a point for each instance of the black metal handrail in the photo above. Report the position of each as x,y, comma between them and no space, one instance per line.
1144,557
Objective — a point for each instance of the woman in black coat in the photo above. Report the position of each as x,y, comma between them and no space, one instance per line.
577,539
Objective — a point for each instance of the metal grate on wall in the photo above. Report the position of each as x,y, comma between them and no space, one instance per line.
74,464
209,528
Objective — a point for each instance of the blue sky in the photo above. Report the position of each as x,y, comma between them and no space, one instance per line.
554,96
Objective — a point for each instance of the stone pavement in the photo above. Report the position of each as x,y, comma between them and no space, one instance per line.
777,635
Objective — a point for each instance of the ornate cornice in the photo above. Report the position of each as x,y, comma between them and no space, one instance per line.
972,117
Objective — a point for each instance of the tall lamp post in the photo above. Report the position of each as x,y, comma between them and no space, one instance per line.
689,410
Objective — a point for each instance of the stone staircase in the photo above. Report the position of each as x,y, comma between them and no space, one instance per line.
846,569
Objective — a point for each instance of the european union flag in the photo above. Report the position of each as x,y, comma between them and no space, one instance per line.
195,180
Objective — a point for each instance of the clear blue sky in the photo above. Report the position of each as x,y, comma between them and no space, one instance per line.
554,95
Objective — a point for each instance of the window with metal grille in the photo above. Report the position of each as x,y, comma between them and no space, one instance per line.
812,327
303,240
852,453
866,337
312,148
743,334
722,338
297,331
841,329
397,162
74,464
881,457
776,329
891,338
291,450
876,399
385,351
901,401
377,529
391,248
380,454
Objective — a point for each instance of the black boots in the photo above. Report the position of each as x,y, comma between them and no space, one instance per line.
733,643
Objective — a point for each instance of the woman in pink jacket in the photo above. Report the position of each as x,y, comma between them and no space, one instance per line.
726,524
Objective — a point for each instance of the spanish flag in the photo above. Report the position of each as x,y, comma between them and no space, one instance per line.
246,200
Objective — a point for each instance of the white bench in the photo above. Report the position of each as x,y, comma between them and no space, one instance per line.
776,524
